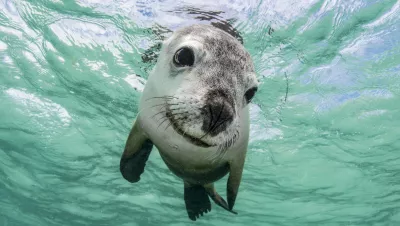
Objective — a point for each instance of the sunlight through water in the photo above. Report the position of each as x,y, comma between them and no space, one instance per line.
324,141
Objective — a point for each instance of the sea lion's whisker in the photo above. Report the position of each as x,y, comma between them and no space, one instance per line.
171,120
165,117
156,105
146,108
229,142
162,97
165,111
168,125
177,113
159,113
162,122
168,104
165,105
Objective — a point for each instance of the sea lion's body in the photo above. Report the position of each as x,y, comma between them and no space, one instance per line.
198,122
191,163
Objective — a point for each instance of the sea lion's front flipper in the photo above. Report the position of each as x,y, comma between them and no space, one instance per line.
217,198
235,176
196,200
136,152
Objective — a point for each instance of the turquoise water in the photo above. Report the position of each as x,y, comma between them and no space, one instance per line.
324,146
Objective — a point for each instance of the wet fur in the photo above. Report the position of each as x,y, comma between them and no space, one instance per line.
223,68
173,117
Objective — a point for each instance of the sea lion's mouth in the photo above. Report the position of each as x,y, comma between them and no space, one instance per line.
191,139
194,140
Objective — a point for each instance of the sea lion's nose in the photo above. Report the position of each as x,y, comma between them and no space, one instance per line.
218,114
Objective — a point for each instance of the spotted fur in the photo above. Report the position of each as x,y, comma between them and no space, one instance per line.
222,69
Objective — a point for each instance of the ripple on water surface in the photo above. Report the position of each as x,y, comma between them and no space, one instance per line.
324,124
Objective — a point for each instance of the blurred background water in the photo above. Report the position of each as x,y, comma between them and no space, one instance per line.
324,146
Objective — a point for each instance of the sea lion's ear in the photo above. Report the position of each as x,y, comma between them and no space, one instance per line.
136,153
235,176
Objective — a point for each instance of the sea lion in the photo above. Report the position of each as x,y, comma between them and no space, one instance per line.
195,110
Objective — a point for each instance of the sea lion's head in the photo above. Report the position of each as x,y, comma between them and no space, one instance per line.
206,78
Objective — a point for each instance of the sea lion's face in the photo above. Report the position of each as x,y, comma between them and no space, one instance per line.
206,78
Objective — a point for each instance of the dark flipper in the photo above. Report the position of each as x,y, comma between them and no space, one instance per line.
197,201
217,198
136,153
235,176
132,167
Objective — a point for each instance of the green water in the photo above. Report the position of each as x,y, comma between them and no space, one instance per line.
325,123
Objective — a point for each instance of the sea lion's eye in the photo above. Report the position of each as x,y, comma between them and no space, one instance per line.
184,57
250,94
